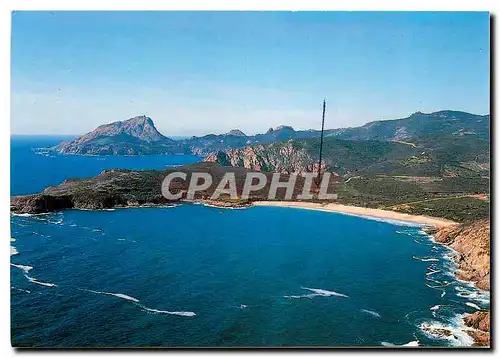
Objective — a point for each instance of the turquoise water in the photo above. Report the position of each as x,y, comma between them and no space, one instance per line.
199,276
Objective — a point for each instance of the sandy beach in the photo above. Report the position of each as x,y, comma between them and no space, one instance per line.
360,211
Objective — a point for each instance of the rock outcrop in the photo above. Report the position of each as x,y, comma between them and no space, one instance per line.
284,158
480,321
472,244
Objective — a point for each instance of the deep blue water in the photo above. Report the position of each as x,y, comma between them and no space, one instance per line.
199,276
33,169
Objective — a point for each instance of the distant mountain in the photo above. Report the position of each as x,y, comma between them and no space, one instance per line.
419,126
236,139
133,136
138,135
445,143
236,132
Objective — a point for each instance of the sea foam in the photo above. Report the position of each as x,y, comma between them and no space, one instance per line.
175,313
144,308
454,332
373,313
409,344
426,259
26,269
473,305
317,292
119,295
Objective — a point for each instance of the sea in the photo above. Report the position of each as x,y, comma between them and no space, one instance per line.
198,276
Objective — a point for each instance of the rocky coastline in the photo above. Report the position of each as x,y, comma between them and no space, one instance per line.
471,244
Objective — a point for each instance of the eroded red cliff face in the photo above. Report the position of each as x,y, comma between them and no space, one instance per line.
472,244
480,321
273,157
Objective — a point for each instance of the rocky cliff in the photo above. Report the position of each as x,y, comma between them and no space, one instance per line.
472,244
480,321
278,157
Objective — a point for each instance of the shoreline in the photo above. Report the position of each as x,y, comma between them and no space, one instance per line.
368,213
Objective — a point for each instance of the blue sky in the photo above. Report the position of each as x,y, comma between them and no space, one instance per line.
200,72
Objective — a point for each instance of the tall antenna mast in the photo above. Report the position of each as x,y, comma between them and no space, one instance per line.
321,142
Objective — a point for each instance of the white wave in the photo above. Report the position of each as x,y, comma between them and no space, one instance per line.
441,283
136,302
409,344
57,222
434,308
311,295
37,216
473,294
404,233
425,259
454,332
243,306
119,295
384,220
437,287
443,293
325,293
176,313
26,269
34,280
20,289
432,272
12,239
473,305
316,292
13,251
373,313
